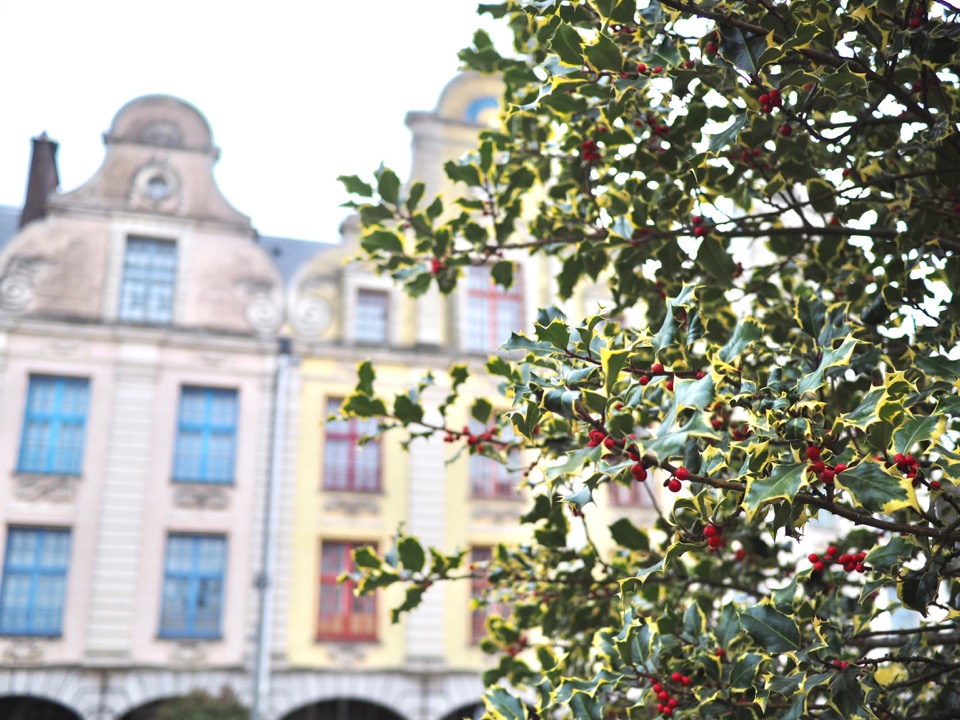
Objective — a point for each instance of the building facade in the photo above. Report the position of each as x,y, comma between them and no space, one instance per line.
175,506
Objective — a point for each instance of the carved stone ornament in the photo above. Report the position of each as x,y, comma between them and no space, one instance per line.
498,514
263,312
162,133
22,651
60,489
18,280
347,655
189,654
311,316
201,497
349,505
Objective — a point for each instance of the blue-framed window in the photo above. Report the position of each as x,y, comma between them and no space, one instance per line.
149,280
206,436
53,426
34,581
193,586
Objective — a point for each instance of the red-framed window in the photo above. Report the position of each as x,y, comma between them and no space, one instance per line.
490,478
348,464
491,313
343,615
371,317
480,558
636,495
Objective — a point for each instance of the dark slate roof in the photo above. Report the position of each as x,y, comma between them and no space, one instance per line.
290,255
9,223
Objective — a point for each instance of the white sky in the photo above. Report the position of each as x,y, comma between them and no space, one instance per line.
296,93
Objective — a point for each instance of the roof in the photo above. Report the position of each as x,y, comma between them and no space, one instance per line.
290,255
9,222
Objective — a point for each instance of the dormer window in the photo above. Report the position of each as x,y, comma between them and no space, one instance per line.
371,318
149,279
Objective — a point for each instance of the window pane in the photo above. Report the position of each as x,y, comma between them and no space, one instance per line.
53,426
371,317
149,277
491,313
34,584
348,465
206,435
342,614
193,586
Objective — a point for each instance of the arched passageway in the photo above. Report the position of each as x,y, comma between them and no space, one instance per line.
343,709
24,707
471,712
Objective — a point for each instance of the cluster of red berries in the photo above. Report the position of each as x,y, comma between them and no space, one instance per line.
714,536
916,20
850,561
840,664
785,130
826,473
674,484
518,647
909,466
657,126
700,229
474,441
712,48
655,369
642,69
589,151
770,101
749,156
666,703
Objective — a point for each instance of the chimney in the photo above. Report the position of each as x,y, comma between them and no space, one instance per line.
42,181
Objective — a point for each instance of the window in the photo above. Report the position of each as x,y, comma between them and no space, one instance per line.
348,465
636,495
480,558
34,581
206,436
149,277
371,320
343,615
53,426
492,313
488,477
193,586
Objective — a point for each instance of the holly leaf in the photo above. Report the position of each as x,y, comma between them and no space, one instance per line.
411,554
830,358
871,487
627,535
917,431
783,483
772,630
866,412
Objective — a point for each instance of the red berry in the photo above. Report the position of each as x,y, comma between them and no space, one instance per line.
934,484
657,70
740,554
675,677
714,542
813,557
701,375
700,231
643,380
641,68
657,687
663,695
689,64
717,423
813,452
785,130
639,472
656,368
817,467
711,48
674,485
685,680
672,703
670,384
610,443
682,474
435,266
818,566
899,459
915,22
764,99
709,531
839,468
667,710
827,476
696,220
832,550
